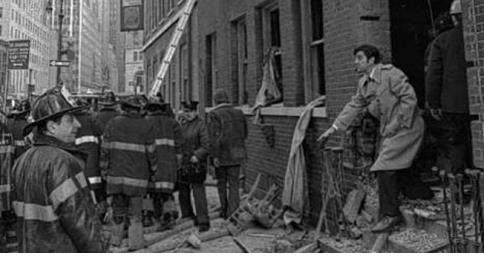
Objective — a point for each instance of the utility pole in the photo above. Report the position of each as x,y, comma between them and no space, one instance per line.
59,44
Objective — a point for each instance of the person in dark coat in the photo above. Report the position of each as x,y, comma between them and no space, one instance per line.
227,129
107,111
16,122
447,96
194,167
128,156
88,141
51,197
168,141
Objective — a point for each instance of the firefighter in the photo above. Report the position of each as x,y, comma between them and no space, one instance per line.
87,141
168,153
194,167
16,122
127,155
107,111
51,197
7,217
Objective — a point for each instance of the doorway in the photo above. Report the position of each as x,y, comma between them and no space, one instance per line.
411,21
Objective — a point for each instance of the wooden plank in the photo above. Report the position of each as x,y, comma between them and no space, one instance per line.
165,246
310,248
242,246
380,242
353,204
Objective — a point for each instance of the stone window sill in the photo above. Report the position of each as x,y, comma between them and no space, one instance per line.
284,111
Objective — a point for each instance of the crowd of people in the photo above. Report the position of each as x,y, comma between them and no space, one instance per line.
72,169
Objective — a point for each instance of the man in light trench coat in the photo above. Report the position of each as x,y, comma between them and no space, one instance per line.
384,90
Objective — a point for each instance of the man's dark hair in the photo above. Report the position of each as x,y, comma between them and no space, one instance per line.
369,51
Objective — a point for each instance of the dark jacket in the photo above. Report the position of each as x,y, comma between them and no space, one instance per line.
227,133
52,201
7,153
195,143
128,154
15,126
446,81
105,115
88,141
168,142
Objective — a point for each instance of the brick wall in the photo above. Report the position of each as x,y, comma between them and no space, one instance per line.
473,12
216,16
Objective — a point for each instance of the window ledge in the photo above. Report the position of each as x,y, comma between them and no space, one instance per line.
319,112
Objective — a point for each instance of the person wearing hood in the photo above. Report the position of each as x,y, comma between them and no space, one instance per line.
194,167
51,196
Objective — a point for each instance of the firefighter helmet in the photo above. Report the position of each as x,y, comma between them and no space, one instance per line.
50,105
456,7
137,102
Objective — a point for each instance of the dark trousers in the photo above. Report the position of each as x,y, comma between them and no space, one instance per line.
228,175
125,206
164,206
453,134
200,198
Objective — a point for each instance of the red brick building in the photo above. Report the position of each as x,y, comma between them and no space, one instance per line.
227,40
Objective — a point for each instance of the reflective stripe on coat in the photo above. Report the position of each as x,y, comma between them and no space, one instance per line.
127,154
52,201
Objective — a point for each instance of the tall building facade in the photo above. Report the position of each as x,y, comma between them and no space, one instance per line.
118,41
134,65
29,20
109,65
82,36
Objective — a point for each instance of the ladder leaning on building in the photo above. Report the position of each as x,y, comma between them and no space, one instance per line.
180,28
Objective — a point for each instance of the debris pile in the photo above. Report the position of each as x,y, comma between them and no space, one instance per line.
419,240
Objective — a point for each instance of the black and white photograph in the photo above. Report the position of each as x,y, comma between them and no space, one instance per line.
241,126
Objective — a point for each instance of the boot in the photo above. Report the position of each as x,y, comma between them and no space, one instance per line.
147,220
117,231
135,234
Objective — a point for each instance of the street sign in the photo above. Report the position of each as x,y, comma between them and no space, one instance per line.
18,54
59,63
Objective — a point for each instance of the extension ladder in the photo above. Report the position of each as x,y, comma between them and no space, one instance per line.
177,34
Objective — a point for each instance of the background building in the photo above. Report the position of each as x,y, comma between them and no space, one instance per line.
29,19
117,40
82,35
134,64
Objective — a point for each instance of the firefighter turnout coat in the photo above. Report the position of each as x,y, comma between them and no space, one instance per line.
88,141
168,141
7,151
52,201
128,154
15,126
